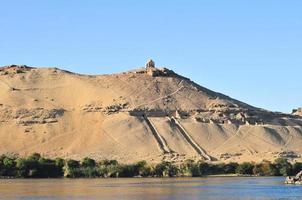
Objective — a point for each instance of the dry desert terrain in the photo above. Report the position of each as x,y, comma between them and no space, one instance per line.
146,114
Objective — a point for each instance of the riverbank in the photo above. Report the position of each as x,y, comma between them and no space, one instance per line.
35,166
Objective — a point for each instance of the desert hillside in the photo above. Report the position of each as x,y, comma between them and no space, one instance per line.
148,114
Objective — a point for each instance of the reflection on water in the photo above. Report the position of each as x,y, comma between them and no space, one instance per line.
147,189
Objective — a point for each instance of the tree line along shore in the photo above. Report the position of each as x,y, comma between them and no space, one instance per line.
36,166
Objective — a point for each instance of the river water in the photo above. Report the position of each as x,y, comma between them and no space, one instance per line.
225,188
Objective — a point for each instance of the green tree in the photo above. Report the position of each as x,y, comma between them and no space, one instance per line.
59,163
185,168
283,166
142,169
190,168
32,165
245,168
257,170
173,171
22,168
7,166
161,169
216,168
204,168
47,169
230,168
297,167
34,156
268,169
109,168
108,162
127,171
9,162
166,169
90,172
71,168
88,162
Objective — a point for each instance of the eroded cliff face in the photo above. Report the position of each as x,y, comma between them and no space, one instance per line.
146,114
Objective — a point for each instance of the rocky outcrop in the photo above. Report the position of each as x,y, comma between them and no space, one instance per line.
297,112
294,180
107,110
28,117
14,69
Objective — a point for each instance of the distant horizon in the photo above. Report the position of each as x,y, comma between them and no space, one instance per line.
250,51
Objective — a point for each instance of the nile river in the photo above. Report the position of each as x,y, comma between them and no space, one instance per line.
146,189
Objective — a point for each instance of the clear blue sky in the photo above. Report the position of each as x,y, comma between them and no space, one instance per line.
250,50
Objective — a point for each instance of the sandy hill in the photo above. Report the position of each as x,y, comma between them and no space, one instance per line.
146,114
